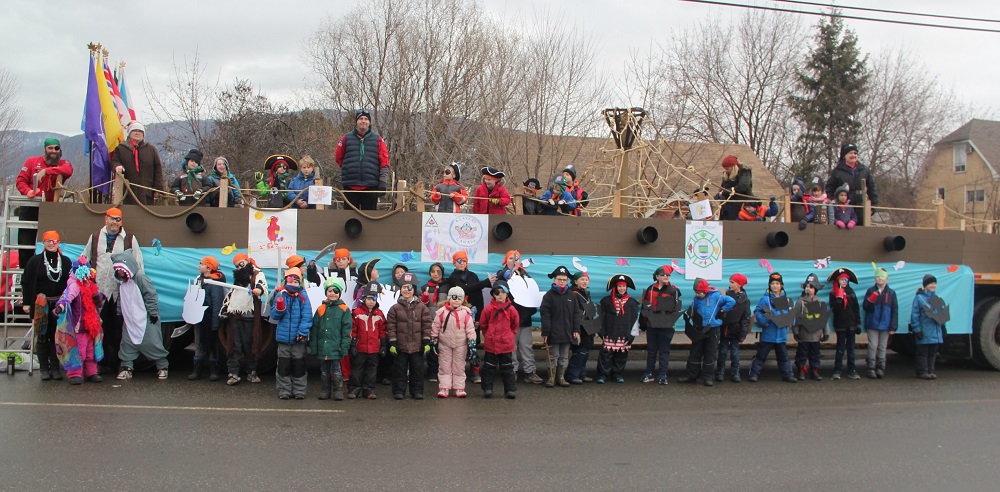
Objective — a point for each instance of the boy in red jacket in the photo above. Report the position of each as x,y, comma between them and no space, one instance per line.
491,197
368,343
499,324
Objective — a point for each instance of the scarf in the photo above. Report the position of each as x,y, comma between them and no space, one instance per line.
561,290
192,175
135,156
133,310
620,303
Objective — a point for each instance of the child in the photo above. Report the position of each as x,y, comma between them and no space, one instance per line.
661,306
278,178
773,336
221,170
734,329
462,277
529,202
189,185
292,316
560,324
330,338
408,327
454,334
499,323
581,197
619,314
207,332
525,359
817,206
243,310
366,274
368,342
140,309
342,266
707,306
809,329
757,212
881,315
576,371
843,213
846,321
302,181
491,197
79,335
798,201
398,270
448,194
433,294
556,200
928,332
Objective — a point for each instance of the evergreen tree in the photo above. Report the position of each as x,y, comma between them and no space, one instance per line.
829,97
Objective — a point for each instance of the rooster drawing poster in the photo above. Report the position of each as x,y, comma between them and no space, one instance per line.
272,236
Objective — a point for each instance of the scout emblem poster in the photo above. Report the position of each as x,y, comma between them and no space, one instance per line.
272,237
443,235
703,250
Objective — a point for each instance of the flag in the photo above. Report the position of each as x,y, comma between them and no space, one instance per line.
120,79
113,134
121,109
93,130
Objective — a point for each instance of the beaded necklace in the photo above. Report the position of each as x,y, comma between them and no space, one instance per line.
49,270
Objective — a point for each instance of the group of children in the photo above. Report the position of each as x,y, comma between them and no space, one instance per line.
564,196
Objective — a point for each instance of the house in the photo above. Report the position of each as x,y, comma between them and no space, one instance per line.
962,169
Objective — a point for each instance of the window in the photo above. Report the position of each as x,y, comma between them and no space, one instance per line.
941,193
975,196
959,156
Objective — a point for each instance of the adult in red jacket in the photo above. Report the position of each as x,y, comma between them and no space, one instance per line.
140,163
491,196
38,178
499,323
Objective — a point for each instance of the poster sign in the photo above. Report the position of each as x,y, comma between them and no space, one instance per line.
701,210
442,235
703,250
272,237
320,195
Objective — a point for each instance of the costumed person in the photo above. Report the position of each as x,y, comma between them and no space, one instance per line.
341,266
590,324
368,342
881,318
581,197
279,169
330,338
139,162
851,172
928,315
408,327
556,200
363,158
308,172
529,201
79,332
499,323
702,323
192,182
512,267
367,273
448,194
844,214
42,283
398,270
819,210
756,211
774,316
453,335
292,317
810,329
491,197
206,335
734,329
242,311
737,185
221,170
38,178
462,277
619,327
140,309
799,207
661,307
561,322
846,320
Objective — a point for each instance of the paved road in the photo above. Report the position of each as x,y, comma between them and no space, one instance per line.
896,434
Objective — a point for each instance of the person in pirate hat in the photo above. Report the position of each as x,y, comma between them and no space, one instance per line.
280,169
560,324
810,329
881,318
619,314
575,190
734,329
774,315
366,274
292,316
661,303
491,197
846,315
529,201
408,328
368,342
448,194
576,371
708,308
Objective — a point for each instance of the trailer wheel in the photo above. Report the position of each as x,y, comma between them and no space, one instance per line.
986,334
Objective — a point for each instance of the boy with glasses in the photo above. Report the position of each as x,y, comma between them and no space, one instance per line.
408,327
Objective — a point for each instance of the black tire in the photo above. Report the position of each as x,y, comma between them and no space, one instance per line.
986,333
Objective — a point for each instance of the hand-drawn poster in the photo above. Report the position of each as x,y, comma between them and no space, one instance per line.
320,195
272,237
703,250
442,235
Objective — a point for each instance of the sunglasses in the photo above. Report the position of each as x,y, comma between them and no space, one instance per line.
53,147
407,287
115,219
454,298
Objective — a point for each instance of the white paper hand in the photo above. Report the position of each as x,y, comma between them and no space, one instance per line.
194,304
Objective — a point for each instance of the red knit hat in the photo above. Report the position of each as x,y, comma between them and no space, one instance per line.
702,286
739,278
730,161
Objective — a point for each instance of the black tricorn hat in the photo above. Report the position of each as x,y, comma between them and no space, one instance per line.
560,270
271,161
620,277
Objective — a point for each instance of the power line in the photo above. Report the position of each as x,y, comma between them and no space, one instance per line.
842,16
900,12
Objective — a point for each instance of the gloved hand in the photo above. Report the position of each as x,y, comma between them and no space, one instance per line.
857,330
382,186
841,224
495,201
706,330
919,335
561,202
851,224
427,348
279,303
197,194
154,319
802,224
434,345
58,309
354,348
392,350
552,202
826,337
873,297
180,194
382,349
472,345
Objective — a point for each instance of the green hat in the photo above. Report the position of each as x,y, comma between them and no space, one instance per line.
881,273
50,141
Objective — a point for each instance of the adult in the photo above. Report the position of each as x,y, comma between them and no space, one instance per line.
139,162
363,158
191,182
37,179
220,170
737,184
110,239
853,173
42,283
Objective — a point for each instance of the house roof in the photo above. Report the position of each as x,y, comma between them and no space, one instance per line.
985,138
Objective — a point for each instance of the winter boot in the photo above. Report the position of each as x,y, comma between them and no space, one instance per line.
561,377
720,374
213,370
880,369
324,393
800,372
196,369
338,389
815,375
551,382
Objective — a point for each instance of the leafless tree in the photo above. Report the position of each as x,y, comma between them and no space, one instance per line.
187,99
10,121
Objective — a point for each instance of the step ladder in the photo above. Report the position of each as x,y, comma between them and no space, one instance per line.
15,324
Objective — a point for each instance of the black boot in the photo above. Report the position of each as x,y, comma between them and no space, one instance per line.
338,388
324,393
196,369
213,370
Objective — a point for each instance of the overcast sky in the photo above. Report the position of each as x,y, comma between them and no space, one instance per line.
262,41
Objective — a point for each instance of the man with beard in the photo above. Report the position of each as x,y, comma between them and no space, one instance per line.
37,179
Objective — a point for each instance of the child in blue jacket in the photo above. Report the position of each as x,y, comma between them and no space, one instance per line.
292,314
881,315
772,336
927,332
308,172
709,303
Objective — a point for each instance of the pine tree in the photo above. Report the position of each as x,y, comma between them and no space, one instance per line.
829,97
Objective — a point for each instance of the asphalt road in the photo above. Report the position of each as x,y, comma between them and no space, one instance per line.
899,433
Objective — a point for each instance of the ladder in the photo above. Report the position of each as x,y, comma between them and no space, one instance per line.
16,325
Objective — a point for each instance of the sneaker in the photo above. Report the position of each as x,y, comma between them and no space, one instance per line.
588,380
75,381
284,397
815,376
932,375
477,379
648,377
836,375
300,397
443,393
371,396
252,377
619,379
576,381
736,378
125,373
533,378
599,380
663,380
233,380
872,375
161,374
752,378
460,393
879,373
853,375
418,396
510,395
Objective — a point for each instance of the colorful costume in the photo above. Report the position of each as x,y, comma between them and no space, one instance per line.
139,307
79,335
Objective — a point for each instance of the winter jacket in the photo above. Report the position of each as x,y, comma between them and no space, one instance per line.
561,316
755,212
35,279
566,208
214,297
770,332
361,159
369,329
883,313
742,182
740,329
845,317
473,287
188,185
26,178
582,198
844,213
658,299
330,336
799,207
710,306
482,204
409,325
933,332
617,325
300,182
453,327
529,203
817,209
499,324
141,165
442,196
278,183
433,292
853,177
295,320
799,330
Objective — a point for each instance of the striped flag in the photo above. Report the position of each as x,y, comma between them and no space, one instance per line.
124,117
120,80
113,133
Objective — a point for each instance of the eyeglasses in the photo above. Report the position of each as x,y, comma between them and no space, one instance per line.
51,241
114,219
407,287
454,298
53,147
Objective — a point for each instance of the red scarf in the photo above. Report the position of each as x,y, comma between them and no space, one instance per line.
135,155
620,303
